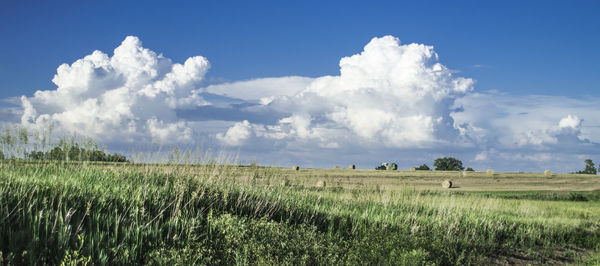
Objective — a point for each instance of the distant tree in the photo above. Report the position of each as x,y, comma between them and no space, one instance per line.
470,169
57,154
116,158
448,164
423,167
96,156
590,168
35,155
75,153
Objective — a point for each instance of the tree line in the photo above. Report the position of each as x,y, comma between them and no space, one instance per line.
440,164
75,153
18,143
453,164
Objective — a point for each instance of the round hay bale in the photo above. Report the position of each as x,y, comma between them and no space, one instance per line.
388,167
352,166
490,172
548,173
321,183
337,167
413,169
447,184
296,167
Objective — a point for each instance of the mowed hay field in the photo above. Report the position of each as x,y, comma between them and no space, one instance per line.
432,180
213,213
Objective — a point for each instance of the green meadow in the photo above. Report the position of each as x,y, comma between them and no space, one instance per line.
215,213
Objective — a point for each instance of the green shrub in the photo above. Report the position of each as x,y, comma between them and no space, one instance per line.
423,167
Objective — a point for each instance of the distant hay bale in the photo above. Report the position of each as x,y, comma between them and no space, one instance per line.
490,172
388,167
337,167
548,173
352,166
447,184
296,167
413,169
321,183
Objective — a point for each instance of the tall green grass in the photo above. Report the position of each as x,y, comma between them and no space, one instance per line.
211,213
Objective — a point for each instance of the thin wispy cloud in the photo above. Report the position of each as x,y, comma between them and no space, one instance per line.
481,66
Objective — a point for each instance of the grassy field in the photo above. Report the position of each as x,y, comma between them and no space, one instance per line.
212,213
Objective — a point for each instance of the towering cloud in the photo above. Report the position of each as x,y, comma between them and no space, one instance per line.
130,96
390,94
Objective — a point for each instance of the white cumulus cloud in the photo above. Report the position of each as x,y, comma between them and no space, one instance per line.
390,94
129,96
571,121
236,135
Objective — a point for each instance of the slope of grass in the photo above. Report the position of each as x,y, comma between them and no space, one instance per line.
222,214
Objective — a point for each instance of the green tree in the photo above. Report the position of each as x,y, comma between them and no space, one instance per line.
115,157
448,164
74,153
57,154
1,156
590,168
35,155
423,167
470,169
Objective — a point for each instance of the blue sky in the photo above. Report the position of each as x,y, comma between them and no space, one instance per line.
521,46
518,90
